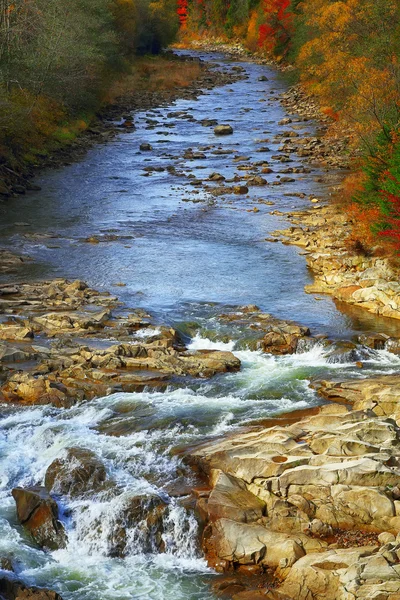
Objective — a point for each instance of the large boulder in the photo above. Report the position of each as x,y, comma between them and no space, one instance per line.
15,332
206,363
80,472
332,471
252,543
37,512
283,338
25,388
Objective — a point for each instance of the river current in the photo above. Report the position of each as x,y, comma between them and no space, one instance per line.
184,255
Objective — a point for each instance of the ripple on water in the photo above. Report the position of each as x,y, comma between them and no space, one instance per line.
180,255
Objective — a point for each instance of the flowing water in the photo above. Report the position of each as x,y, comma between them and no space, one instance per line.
186,262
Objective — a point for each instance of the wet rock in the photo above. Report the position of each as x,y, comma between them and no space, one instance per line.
263,78
205,363
75,360
257,181
209,122
146,147
241,189
283,338
375,341
216,177
143,515
27,389
223,130
80,472
38,514
12,355
6,564
11,589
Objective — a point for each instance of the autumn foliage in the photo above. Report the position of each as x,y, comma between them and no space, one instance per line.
347,54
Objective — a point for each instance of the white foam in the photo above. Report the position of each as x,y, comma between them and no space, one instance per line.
202,343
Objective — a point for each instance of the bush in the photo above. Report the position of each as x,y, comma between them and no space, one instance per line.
57,59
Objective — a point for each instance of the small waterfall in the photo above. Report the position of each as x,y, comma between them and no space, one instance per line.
181,531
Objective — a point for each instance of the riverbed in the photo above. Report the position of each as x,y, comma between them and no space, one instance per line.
147,225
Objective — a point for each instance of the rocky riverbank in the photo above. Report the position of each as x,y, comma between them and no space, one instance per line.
315,502
62,342
368,281
114,118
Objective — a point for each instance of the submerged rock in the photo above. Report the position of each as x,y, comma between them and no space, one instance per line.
37,512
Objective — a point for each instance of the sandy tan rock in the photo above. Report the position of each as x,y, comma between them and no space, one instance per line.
379,394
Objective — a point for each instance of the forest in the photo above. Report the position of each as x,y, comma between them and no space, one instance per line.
347,53
58,60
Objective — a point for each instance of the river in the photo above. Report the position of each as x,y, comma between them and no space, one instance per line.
185,256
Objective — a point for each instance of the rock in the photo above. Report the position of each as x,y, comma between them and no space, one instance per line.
263,78
216,177
223,130
230,499
26,389
335,470
379,394
253,544
325,575
145,514
257,181
15,332
146,147
283,337
79,367
11,589
80,472
6,564
12,355
205,363
241,189
386,538
38,514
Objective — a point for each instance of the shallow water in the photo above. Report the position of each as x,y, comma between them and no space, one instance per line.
173,252
186,262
